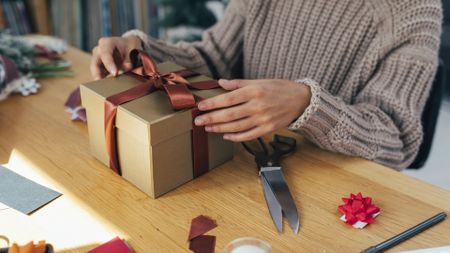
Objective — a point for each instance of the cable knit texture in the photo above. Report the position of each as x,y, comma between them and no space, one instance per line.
369,63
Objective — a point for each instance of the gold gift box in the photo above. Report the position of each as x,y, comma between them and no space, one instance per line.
153,140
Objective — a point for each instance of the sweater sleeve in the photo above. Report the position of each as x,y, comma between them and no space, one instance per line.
382,123
218,54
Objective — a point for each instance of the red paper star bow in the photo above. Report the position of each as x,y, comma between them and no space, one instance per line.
358,208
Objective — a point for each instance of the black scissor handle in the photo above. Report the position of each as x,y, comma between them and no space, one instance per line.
262,148
283,144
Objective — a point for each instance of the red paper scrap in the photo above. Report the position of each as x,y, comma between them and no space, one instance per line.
198,242
116,245
203,244
201,225
73,106
358,208
74,99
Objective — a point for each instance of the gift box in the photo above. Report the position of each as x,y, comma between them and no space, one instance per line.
154,143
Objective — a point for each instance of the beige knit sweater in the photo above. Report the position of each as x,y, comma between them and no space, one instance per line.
369,63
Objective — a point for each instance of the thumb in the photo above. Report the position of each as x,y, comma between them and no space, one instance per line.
233,84
126,64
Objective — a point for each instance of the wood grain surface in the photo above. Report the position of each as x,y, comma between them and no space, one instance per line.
38,141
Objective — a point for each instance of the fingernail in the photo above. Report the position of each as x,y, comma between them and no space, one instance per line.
226,137
223,81
114,70
208,128
128,65
201,106
198,121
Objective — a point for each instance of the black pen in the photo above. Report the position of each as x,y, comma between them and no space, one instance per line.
406,234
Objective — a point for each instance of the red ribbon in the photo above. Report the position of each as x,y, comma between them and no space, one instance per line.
358,208
177,88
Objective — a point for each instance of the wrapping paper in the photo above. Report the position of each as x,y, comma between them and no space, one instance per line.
116,245
198,242
73,106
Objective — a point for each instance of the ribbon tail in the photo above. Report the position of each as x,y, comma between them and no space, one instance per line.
199,147
111,104
110,136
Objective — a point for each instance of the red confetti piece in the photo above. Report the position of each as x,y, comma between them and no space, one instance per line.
201,225
74,99
198,242
203,244
73,106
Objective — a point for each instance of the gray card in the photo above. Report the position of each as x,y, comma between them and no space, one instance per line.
23,194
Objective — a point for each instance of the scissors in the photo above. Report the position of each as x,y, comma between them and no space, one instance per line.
276,191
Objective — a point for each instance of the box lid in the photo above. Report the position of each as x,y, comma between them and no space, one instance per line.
150,118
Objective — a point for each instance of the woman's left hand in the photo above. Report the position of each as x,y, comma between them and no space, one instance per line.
253,108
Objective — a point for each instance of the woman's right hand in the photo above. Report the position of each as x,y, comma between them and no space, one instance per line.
112,54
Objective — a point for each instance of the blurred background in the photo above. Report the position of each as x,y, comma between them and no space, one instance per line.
82,22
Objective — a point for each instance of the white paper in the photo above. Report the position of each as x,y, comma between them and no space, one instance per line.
359,224
445,249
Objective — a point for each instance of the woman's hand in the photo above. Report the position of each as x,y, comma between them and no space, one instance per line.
112,55
253,108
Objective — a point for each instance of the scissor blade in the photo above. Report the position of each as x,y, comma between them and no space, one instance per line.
279,187
273,205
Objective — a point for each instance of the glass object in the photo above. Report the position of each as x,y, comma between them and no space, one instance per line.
247,245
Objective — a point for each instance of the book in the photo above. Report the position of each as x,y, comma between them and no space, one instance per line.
17,18
139,13
114,18
39,14
105,18
23,17
3,23
94,25
80,22
10,17
153,16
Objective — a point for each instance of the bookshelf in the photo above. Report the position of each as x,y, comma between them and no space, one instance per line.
80,22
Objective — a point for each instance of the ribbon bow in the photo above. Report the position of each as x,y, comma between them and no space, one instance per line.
175,86
358,208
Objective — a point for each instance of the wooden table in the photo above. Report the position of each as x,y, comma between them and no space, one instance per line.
38,140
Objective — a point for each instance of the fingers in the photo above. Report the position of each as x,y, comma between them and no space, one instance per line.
235,84
132,42
111,55
127,65
106,56
102,59
224,115
247,135
242,91
224,100
232,126
98,71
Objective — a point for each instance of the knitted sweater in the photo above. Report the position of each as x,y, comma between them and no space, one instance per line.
370,65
